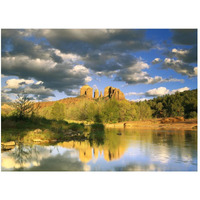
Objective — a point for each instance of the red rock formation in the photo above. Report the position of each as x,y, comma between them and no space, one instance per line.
101,95
86,91
96,94
113,93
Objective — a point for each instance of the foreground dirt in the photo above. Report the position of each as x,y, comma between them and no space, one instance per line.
167,123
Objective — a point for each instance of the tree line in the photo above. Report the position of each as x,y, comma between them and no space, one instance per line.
111,111
182,104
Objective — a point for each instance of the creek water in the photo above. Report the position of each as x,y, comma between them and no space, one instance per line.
109,150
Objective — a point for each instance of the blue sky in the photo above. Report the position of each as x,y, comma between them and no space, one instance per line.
51,64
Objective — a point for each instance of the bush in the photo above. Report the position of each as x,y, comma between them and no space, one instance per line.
76,127
193,114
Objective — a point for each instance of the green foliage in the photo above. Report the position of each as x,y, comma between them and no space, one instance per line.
127,111
110,112
24,107
143,110
76,127
57,111
179,104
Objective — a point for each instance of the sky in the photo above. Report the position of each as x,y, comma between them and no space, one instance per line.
52,64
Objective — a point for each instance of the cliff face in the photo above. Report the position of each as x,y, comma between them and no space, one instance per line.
86,91
96,94
109,93
113,93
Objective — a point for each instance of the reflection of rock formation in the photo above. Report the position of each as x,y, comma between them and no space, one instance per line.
86,91
114,155
86,151
84,148
113,93
96,94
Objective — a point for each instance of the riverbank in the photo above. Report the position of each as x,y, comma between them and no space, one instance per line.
167,123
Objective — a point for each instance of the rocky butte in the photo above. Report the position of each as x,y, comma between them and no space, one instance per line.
86,91
109,93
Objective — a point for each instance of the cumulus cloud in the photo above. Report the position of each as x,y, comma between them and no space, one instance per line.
56,76
135,74
156,61
161,91
187,56
180,67
65,59
5,97
180,90
157,92
134,93
82,41
184,36
22,86
88,79
142,99
15,43
16,83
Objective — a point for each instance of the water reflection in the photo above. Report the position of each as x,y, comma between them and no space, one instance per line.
134,150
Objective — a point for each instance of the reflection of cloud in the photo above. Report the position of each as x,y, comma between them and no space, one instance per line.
139,167
10,160
63,162
162,155
46,159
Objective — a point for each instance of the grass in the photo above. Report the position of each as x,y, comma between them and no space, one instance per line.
26,129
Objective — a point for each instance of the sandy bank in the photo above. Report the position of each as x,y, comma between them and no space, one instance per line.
167,123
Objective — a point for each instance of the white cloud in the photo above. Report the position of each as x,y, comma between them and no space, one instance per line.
156,61
161,91
94,87
195,71
138,100
80,69
5,97
135,75
180,90
39,83
16,83
88,79
134,93
180,67
56,76
180,52
157,92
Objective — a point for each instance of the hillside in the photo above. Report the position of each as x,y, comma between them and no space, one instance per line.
111,110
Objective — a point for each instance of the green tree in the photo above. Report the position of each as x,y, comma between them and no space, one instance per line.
127,111
57,111
24,107
110,111
143,110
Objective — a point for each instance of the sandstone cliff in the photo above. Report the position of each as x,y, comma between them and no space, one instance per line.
109,93
86,91
113,93
96,94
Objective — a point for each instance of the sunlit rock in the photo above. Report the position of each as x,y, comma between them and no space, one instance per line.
86,91
96,94
113,93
